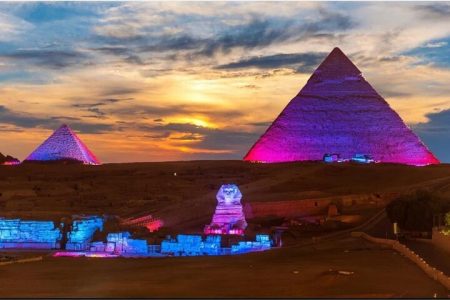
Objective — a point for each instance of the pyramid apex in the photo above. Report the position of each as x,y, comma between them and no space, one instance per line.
336,66
336,49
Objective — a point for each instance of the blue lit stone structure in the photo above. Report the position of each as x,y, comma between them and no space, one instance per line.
193,245
121,243
262,243
17,233
83,229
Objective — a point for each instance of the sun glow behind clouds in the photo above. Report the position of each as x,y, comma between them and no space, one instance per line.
143,81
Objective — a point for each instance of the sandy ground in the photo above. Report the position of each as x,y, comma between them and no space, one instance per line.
288,272
54,191
186,202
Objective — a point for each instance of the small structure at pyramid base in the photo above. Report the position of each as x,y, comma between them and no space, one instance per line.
229,216
338,111
64,146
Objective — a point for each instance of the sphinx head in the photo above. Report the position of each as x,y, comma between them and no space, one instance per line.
229,194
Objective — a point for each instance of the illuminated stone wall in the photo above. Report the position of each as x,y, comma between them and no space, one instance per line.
16,233
228,217
261,243
338,111
121,243
83,229
193,245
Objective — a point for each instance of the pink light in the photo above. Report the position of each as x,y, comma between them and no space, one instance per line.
83,254
68,254
11,163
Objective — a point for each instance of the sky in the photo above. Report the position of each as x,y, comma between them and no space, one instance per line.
154,81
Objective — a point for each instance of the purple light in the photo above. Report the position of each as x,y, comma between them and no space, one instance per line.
338,111
63,144
84,254
229,217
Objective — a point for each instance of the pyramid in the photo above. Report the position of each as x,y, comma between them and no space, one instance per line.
63,144
338,111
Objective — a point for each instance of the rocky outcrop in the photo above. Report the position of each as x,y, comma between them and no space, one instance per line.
8,160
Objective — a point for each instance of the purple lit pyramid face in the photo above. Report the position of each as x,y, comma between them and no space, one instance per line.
338,111
63,144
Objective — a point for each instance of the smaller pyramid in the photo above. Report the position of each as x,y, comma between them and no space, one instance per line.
63,144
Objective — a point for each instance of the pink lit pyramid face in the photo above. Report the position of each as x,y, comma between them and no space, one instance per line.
61,145
338,111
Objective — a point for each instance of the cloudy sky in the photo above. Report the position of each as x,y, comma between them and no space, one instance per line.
150,81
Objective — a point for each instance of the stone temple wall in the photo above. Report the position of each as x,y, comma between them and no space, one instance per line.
121,243
83,229
16,233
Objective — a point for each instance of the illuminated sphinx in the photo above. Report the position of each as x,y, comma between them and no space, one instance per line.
229,217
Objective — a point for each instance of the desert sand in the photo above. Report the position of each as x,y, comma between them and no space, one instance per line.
186,203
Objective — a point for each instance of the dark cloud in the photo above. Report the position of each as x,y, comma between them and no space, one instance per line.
51,59
188,137
161,136
302,62
208,138
251,86
433,131
157,113
119,91
263,124
24,120
113,50
257,33
171,42
435,10
125,53
95,107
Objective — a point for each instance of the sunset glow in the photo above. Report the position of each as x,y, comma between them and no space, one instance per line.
151,81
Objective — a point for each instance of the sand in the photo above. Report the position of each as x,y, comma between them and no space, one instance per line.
289,272
186,203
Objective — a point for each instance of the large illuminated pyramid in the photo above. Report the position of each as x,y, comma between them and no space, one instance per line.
63,144
338,111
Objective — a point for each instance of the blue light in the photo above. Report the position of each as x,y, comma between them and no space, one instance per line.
82,232
16,233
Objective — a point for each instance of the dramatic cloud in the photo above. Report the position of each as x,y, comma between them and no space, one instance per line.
46,58
303,62
25,120
196,80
